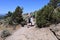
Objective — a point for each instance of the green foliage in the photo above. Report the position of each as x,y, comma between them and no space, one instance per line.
44,16
54,3
9,14
47,16
23,23
33,14
17,15
5,33
56,16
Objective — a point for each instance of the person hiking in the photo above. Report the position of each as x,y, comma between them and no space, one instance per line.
29,20
32,21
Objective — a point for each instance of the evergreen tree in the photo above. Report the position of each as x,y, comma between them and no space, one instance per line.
56,15
47,16
54,3
17,15
9,14
44,16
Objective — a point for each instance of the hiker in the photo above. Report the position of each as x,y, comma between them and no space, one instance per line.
29,20
32,21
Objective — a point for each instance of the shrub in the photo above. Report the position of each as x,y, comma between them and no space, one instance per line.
17,15
56,18
43,17
23,23
5,33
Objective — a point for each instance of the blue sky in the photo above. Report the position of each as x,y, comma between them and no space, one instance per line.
28,5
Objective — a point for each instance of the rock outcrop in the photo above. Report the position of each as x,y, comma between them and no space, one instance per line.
32,33
56,30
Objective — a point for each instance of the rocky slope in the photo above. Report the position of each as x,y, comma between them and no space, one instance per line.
56,30
32,33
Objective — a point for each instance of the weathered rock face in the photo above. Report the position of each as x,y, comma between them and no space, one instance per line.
56,29
32,34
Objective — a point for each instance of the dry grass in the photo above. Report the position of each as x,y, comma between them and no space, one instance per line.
10,28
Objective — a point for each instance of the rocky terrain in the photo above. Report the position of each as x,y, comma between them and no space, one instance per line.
56,30
32,33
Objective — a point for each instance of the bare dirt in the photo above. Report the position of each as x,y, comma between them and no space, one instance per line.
32,33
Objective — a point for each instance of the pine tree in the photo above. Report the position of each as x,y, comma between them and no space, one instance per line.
9,14
17,15
44,16
54,3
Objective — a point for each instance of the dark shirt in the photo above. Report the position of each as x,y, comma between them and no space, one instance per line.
29,20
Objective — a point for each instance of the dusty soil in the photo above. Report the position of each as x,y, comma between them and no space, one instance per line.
32,33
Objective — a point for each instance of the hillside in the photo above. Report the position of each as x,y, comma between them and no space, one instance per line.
32,33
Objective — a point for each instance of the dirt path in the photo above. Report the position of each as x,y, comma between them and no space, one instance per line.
32,33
